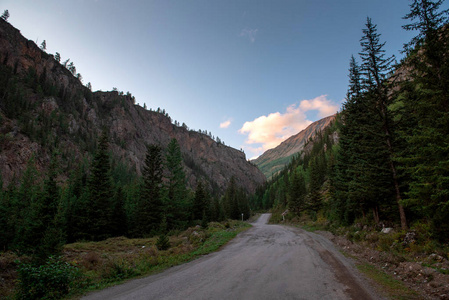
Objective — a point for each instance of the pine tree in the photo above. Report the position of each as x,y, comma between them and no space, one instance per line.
119,219
22,214
176,203
50,216
428,21
100,192
75,205
315,198
375,68
150,207
6,216
424,112
230,200
297,192
344,207
200,202
362,179
5,15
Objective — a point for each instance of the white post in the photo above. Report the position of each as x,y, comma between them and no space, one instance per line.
242,217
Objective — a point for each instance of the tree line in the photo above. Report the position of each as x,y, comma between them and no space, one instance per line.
391,163
103,198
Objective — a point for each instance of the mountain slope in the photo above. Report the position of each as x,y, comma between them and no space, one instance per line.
273,160
44,108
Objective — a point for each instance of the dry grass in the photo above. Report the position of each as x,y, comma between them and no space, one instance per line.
117,259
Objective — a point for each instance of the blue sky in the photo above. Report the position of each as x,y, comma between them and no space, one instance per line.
263,70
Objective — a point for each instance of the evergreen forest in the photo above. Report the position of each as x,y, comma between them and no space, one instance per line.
102,199
385,159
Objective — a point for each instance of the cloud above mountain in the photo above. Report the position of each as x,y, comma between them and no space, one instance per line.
225,124
266,132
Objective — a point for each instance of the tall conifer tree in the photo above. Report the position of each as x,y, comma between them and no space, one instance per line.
424,103
176,201
375,69
297,192
100,192
150,207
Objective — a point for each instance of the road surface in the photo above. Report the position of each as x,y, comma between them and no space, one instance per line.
264,262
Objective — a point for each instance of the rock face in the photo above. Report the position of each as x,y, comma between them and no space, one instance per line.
58,112
273,160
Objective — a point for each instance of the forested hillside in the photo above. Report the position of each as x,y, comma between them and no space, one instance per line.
83,165
391,162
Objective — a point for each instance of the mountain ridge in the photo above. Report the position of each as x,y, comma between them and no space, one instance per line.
273,160
55,111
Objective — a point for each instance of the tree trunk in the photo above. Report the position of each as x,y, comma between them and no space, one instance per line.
376,214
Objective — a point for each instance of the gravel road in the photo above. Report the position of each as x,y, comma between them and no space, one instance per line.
264,262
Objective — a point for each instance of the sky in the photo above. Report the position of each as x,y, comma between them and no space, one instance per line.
252,72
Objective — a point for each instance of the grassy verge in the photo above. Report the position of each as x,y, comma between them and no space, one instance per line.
395,289
112,261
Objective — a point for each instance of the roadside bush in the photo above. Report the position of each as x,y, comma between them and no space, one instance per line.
119,270
52,280
162,242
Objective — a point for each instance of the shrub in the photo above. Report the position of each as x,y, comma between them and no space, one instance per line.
162,242
52,280
116,270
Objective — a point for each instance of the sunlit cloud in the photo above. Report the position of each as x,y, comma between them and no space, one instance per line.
267,132
250,34
225,124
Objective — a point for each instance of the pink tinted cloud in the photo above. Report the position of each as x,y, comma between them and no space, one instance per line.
225,124
267,132
321,104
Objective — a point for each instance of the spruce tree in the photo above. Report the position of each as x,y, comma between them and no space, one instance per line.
100,192
176,200
50,216
6,216
375,68
200,202
315,197
344,211
424,112
297,192
150,207
22,212
76,205
230,200
119,219
5,15
427,19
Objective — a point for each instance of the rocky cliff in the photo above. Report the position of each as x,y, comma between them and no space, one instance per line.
44,108
273,160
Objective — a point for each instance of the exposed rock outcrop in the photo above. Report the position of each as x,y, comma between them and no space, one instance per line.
69,117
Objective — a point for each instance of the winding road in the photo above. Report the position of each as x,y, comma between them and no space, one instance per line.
264,262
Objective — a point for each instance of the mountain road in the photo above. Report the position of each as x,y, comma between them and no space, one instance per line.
264,262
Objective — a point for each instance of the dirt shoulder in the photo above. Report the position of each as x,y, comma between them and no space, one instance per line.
426,275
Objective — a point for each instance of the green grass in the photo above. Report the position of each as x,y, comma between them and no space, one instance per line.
115,260
119,266
394,288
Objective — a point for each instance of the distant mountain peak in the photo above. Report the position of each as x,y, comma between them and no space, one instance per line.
274,160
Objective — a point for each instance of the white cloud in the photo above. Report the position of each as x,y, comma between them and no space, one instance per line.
250,34
267,132
225,124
